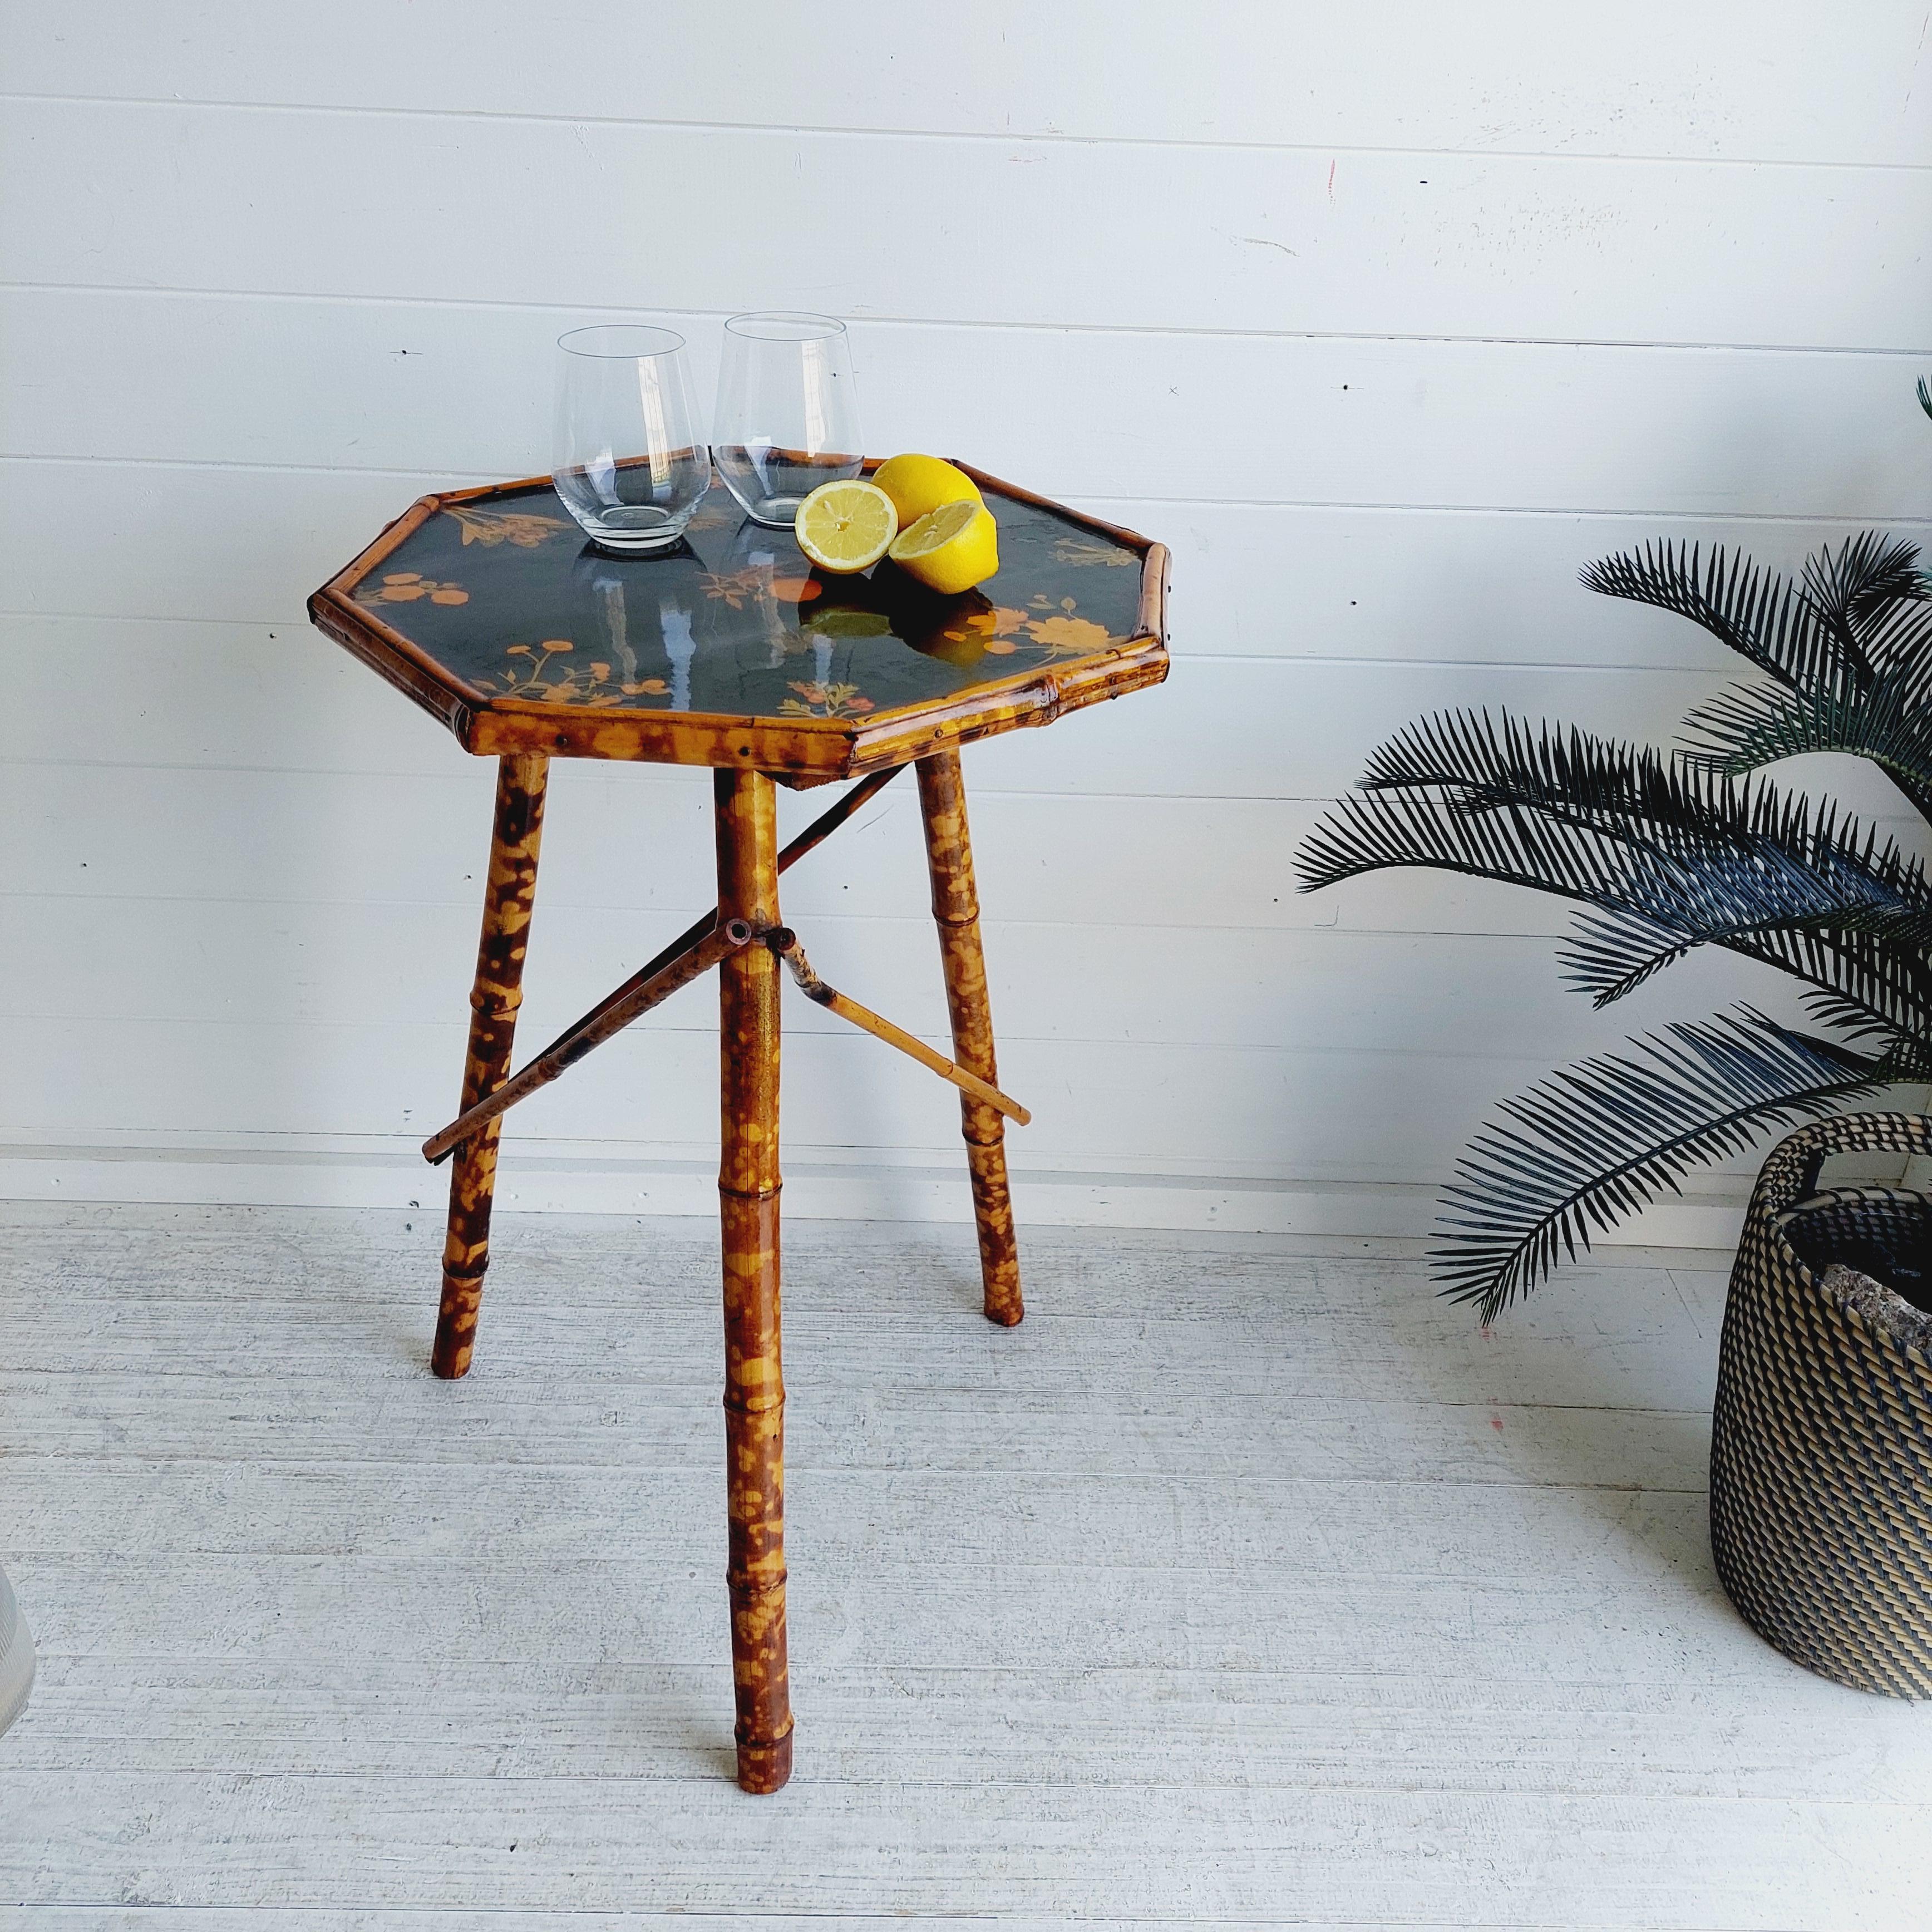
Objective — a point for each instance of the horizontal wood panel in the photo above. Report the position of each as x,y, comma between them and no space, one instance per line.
1342,1116
853,1519
1727,1863
1510,76
1144,420
240,962
1140,1108
1130,1325
109,831
618,1720
218,696
388,205
1231,728
616,844
202,548
112,1410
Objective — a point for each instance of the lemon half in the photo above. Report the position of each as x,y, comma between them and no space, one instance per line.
952,548
846,526
917,484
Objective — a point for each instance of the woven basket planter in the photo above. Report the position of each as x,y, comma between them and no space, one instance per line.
1821,1452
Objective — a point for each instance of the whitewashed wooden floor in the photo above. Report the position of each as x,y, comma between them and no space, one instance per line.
1244,1584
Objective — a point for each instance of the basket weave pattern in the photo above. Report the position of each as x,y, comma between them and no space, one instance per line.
1821,1451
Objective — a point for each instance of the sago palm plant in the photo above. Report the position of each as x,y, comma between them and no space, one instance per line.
1664,853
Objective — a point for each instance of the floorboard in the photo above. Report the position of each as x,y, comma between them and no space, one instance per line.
1245,1584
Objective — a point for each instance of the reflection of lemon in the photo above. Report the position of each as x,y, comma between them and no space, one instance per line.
918,484
952,548
837,621
846,526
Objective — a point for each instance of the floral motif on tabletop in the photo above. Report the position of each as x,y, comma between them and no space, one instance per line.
523,528
754,584
543,676
1059,630
995,630
408,587
825,700
1081,551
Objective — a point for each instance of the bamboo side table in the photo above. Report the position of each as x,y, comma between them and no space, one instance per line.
487,608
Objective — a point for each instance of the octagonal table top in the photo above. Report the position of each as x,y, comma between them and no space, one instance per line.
491,609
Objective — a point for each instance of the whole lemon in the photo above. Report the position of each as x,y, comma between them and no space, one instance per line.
918,484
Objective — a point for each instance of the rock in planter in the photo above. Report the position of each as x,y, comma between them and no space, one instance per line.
1821,1450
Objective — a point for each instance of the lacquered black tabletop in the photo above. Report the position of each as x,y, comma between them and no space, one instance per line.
505,593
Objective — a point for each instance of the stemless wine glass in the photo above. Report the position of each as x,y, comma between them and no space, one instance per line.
787,416
628,464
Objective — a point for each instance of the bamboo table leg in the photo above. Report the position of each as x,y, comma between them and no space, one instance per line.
748,1191
955,905
507,898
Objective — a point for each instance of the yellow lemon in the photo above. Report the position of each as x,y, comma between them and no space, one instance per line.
950,549
918,484
846,526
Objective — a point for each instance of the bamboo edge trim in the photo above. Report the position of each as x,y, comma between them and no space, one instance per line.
1151,620
401,673
831,749
337,594
1040,677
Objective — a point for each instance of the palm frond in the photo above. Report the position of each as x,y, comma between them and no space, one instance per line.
1589,1146
1861,580
1663,855
1610,956
1567,812
1886,718
1671,858
1489,763
1905,1060
1813,631
1760,615
1875,977
1788,904
1925,396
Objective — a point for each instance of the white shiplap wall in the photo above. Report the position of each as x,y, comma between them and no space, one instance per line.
1384,318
